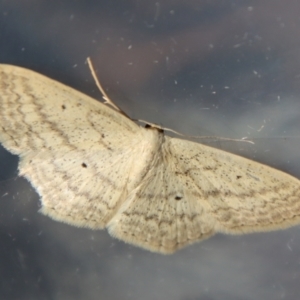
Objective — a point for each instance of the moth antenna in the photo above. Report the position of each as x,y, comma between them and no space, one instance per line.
105,97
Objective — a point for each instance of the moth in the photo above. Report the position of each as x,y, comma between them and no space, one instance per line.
95,167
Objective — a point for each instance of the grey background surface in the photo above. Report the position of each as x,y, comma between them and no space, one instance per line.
219,68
